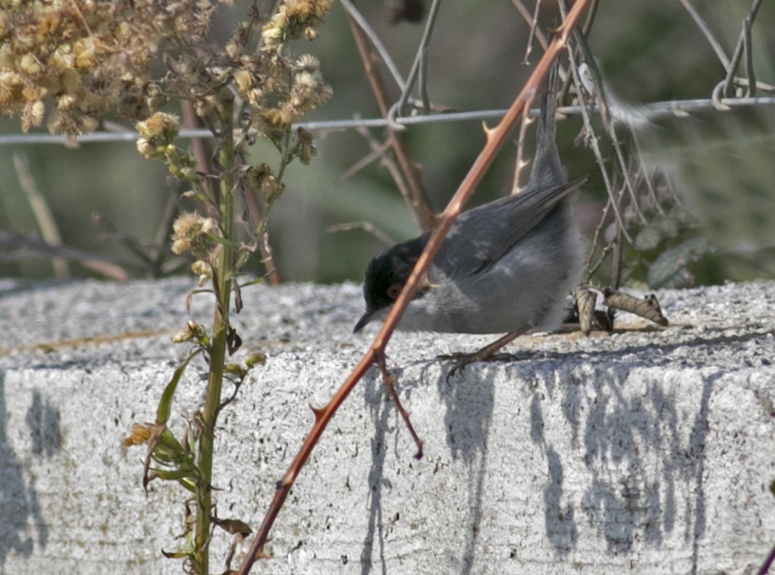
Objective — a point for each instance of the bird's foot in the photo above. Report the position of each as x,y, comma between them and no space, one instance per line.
487,353
461,360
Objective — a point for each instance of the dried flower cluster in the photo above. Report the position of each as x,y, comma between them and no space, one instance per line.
193,233
156,142
157,134
294,19
192,332
74,61
80,59
70,62
279,90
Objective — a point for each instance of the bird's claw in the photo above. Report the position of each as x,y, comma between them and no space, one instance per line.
463,359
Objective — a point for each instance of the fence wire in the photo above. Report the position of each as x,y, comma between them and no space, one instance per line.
647,112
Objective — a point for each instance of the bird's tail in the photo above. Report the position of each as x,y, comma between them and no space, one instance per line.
547,169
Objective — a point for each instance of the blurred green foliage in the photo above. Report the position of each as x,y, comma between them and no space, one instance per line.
648,51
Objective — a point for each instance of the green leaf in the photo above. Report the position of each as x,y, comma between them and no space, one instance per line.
165,403
670,270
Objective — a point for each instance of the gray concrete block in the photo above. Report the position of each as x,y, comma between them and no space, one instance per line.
643,451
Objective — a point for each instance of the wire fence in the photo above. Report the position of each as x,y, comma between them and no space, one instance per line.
647,111
637,192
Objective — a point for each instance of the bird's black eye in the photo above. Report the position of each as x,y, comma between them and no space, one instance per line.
394,291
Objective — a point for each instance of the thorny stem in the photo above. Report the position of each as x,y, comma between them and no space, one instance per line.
389,383
495,139
223,274
765,568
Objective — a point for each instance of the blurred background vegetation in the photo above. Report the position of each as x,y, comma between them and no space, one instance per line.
722,164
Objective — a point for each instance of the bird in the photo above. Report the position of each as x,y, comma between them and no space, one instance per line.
504,267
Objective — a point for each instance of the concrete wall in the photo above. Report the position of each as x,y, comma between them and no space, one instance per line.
644,451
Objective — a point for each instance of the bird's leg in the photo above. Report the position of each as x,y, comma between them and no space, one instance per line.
487,353
394,395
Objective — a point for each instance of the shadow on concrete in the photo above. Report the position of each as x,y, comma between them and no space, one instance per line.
624,498
378,403
467,422
615,431
19,498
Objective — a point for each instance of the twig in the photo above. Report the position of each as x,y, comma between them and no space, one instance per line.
202,157
591,13
616,259
397,108
14,246
706,31
365,226
190,120
534,29
77,10
389,383
738,54
352,12
593,143
256,214
749,71
391,167
767,563
601,98
377,153
411,176
46,222
495,139
646,175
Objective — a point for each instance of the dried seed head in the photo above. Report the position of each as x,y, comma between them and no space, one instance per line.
139,435
271,189
244,80
191,234
203,270
161,127
96,51
308,63
306,146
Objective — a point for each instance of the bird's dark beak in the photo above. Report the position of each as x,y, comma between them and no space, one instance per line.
363,321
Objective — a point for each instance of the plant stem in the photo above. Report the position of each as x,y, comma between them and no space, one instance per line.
224,265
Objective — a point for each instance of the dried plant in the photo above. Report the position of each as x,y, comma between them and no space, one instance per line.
73,62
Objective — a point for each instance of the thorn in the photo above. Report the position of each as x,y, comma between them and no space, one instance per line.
488,132
318,411
285,482
425,283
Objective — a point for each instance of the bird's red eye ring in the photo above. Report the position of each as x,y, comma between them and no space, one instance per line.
394,291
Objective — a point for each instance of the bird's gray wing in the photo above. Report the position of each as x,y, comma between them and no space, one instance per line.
480,237
524,211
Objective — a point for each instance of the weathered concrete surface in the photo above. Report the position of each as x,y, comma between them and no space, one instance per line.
640,452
